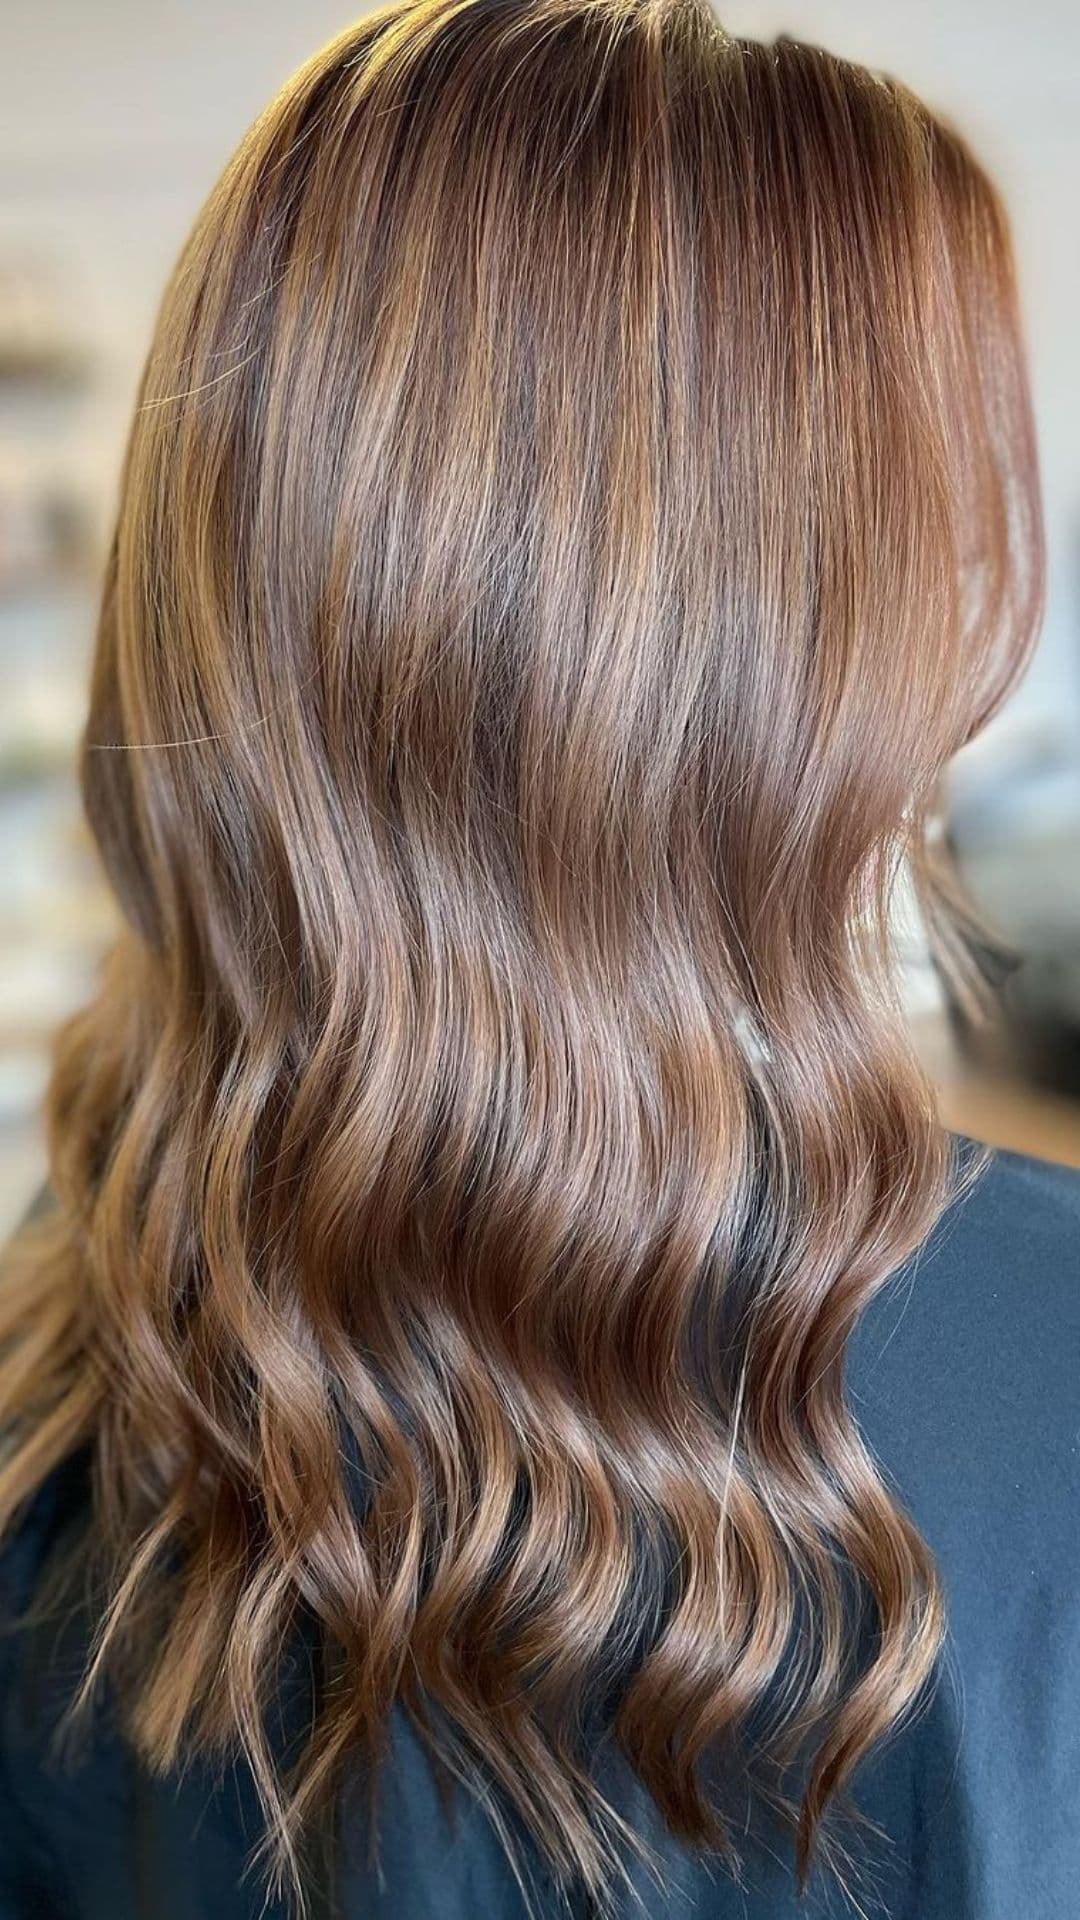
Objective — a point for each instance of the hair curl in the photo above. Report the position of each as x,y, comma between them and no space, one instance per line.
581,494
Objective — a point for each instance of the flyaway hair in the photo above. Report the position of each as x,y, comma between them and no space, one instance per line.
581,494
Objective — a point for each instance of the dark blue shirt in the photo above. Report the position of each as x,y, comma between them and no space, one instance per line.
965,1377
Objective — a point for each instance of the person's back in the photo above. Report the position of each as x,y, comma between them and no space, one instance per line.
514,1403
963,1376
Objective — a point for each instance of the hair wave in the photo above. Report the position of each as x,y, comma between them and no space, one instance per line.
581,494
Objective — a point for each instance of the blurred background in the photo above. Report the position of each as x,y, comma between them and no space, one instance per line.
115,117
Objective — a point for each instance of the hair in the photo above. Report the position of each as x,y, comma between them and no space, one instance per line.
581,494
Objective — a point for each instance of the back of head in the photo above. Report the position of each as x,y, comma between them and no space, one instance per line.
580,496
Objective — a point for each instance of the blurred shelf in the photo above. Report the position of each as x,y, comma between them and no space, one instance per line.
996,1106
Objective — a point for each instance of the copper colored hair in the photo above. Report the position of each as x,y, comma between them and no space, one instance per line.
581,494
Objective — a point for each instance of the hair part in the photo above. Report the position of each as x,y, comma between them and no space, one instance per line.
581,494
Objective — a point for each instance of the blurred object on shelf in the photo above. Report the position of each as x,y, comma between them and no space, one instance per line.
989,1102
43,645
54,915
38,344
1015,830
46,527
1037,1037
55,922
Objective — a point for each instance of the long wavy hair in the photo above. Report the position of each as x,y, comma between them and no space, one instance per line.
581,494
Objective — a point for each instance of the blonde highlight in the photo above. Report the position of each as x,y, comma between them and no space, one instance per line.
581,495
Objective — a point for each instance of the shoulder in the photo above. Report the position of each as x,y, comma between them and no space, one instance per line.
55,1518
45,1624
965,1372
43,1642
1005,1255
1015,1199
